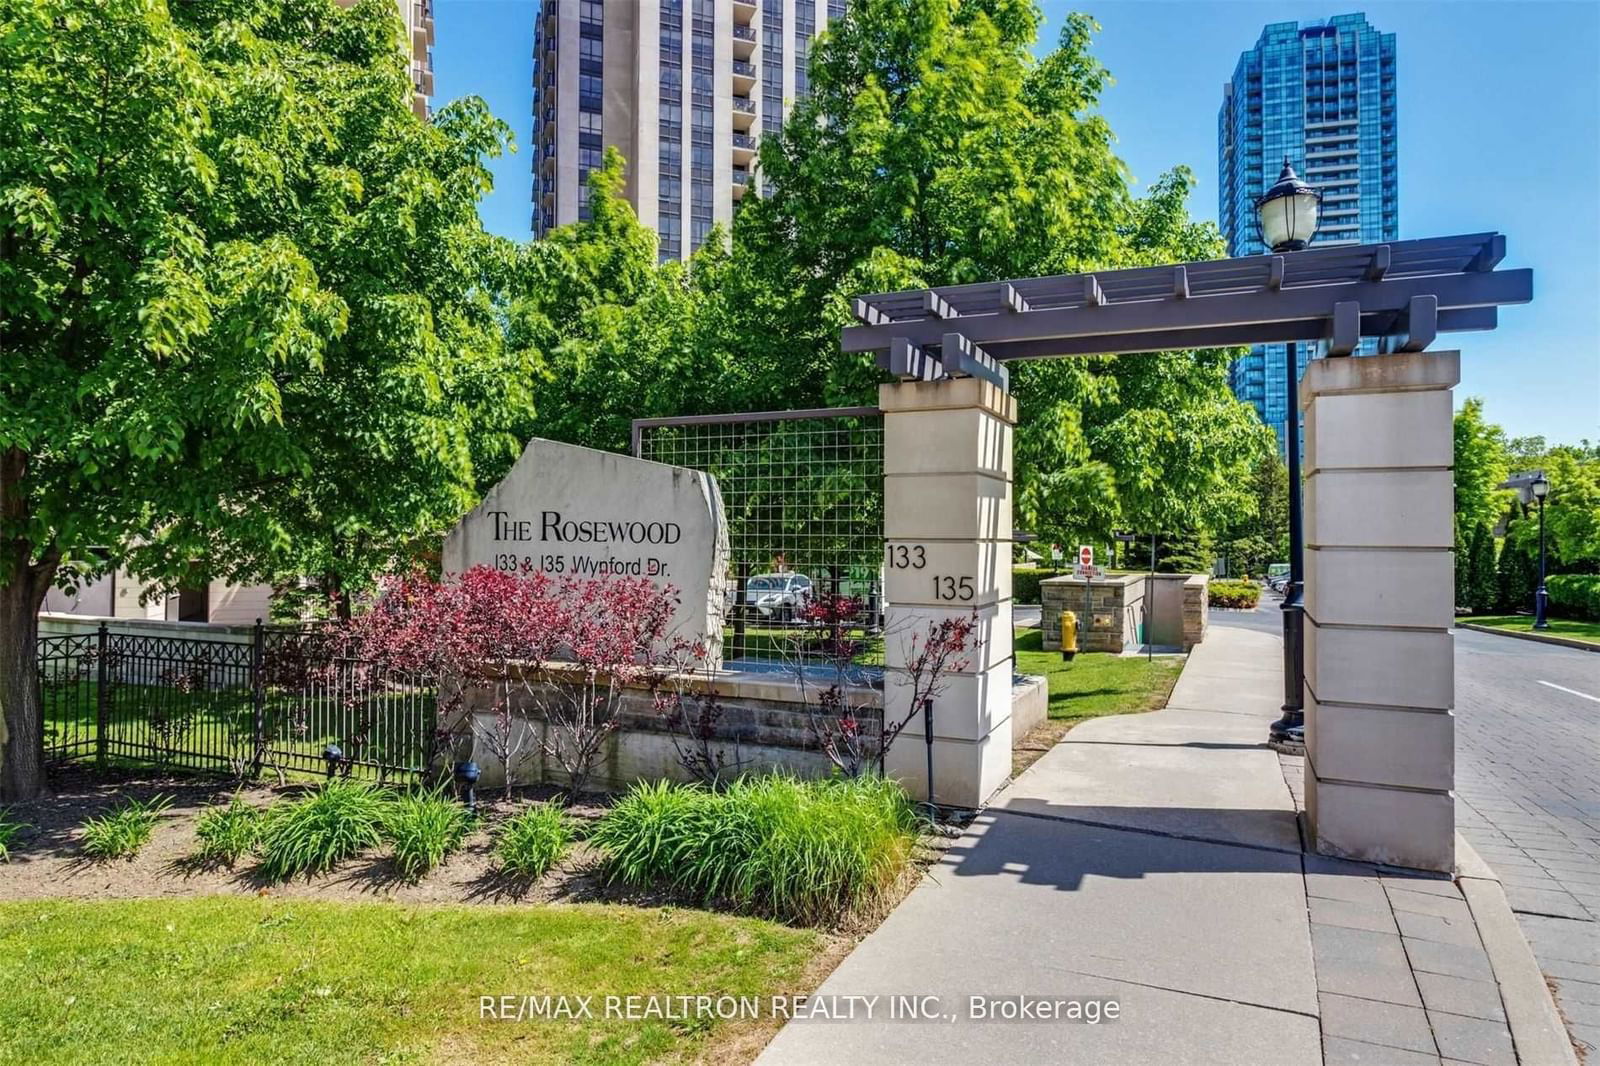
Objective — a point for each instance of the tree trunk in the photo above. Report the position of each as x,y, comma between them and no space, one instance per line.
23,582
338,592
22,720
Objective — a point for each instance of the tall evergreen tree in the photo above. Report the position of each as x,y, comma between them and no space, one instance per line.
1483,585
1517,571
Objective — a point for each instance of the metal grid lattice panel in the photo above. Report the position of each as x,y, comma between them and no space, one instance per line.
803,496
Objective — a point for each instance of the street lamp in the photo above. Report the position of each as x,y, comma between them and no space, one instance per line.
1541,489
1288,216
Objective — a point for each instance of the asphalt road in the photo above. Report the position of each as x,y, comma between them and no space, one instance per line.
1528,798
1528,794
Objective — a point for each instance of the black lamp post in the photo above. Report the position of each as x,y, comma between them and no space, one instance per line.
1541,489
1288,216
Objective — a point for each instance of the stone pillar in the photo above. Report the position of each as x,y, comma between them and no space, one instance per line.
947,532
1379,601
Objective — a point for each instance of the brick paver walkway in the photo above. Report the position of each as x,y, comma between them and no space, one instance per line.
1528,798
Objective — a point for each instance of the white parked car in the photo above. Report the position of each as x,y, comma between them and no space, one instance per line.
779,596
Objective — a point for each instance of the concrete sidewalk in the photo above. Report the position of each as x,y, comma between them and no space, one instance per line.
1154,860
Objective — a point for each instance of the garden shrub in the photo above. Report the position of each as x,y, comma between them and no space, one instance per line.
311,835
120,834
1244,594
8,832
535,840
1574,595
1025,583
226,833
801,851
423,828
1516,575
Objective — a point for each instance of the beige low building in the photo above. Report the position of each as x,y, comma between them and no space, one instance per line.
120,594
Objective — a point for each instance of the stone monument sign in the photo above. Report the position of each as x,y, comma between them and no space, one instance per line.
578,512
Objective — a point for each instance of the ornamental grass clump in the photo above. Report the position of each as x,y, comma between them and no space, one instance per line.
120,834
8,832
535,840
228,833
313,834
424,827
807,852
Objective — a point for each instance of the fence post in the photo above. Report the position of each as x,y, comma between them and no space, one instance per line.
102,694
258,695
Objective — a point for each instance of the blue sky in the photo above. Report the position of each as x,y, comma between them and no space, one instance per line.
1499,130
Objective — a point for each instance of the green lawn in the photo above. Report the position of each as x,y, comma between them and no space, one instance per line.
1097,683
1559,627
167,726
224,980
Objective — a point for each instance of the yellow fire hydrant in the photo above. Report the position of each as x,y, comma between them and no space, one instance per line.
1069,634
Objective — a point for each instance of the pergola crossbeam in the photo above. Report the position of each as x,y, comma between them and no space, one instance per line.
1422,323
962,358
1490,255
911,362
1093,295
1372,325
1288,309
1275,273
1012,300
868,314
1380,263
1346,328
1219,303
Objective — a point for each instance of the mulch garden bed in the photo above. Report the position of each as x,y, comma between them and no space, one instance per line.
47,860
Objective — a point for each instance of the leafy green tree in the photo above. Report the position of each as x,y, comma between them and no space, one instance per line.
615,332
1260,537
1481,464
1572,510
934,149
246,306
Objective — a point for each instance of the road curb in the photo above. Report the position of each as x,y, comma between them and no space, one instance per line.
1538,638
1536,1028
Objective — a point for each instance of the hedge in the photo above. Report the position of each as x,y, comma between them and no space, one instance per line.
1244,594
1025,583
1574,595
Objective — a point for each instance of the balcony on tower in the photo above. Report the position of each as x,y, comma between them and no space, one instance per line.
744,41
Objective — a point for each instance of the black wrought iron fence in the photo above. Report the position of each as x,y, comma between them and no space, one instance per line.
280,701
